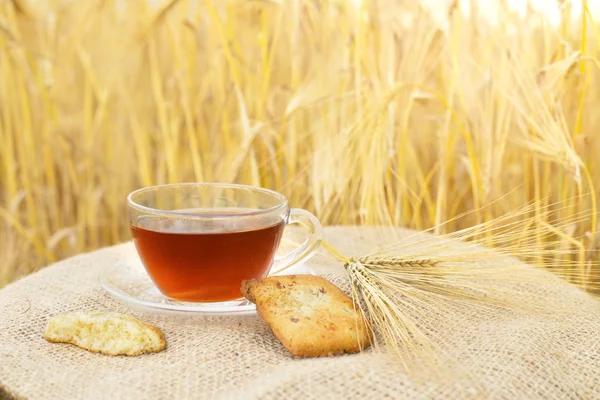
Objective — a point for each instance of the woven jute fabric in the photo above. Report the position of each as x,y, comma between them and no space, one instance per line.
508,356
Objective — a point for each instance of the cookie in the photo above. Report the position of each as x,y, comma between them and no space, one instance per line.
309,315
108,333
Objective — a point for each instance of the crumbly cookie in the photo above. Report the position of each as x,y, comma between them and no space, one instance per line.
105,332
309,315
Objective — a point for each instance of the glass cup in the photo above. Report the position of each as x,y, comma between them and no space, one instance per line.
199,241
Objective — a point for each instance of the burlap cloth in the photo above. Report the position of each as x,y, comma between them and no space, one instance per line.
510,357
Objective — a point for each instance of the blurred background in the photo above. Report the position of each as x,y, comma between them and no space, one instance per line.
365,112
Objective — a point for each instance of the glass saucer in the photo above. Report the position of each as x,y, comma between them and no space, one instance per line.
128,282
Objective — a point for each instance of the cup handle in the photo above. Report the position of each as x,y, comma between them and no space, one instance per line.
308,247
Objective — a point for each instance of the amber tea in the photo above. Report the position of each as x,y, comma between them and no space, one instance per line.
199,240
194,263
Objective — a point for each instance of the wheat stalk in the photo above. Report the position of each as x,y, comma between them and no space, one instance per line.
399,285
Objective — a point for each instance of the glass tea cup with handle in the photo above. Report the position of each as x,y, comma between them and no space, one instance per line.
199,241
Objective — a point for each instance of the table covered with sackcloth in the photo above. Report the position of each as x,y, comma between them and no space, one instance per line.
556,356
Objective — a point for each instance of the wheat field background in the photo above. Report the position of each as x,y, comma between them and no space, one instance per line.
377,112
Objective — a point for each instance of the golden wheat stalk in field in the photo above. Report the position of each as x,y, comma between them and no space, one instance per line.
370,112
